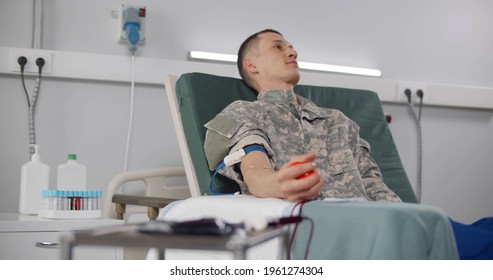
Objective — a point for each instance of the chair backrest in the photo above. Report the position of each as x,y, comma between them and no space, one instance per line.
199,97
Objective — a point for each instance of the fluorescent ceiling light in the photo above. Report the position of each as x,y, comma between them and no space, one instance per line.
339,69
301,65
213,56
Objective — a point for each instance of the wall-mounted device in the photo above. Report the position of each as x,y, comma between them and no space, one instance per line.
131,24
414,87
31,55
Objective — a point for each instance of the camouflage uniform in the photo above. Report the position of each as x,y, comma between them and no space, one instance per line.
286,128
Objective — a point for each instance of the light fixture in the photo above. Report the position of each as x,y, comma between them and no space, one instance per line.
213,56
302,65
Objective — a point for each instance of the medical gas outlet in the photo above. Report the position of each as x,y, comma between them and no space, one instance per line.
31,56
412,89
131,19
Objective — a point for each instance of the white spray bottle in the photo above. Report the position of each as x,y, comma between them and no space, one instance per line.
35,177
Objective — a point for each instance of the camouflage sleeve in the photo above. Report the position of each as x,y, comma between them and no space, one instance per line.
229,131
226,129
374,186
219,132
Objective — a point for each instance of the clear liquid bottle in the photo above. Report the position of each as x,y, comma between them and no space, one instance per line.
71,175
35,177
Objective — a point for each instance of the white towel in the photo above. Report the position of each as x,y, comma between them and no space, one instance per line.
232,209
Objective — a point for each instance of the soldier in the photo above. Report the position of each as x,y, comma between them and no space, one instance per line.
304,151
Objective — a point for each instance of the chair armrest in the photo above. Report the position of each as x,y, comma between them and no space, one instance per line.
153,204
154,179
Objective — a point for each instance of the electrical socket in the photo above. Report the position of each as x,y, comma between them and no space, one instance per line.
414,87
121,34
31,55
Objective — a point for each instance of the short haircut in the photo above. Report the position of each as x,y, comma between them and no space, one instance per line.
245,47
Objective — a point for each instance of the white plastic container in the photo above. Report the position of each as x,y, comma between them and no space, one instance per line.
71,175
35,177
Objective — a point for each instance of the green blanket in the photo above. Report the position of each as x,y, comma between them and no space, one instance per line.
374,230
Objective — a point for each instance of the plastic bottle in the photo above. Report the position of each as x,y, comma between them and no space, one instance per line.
71,175
35,177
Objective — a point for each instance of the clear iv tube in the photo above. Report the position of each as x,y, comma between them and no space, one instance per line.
129,134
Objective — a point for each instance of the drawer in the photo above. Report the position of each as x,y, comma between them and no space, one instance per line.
45,246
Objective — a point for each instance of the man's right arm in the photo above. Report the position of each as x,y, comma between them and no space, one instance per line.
263,181
225,134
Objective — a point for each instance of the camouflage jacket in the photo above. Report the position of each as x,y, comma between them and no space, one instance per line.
286,127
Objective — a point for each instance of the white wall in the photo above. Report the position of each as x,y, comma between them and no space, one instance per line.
432,42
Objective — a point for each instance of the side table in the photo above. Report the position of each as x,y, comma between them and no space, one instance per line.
26,237
129,236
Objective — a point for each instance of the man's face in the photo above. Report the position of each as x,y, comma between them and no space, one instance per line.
275,61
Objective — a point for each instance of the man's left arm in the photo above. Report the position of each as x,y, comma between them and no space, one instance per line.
375,188
371,175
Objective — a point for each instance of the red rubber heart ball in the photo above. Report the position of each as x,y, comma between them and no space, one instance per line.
306,174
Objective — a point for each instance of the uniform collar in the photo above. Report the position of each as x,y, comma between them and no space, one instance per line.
295,103
276,96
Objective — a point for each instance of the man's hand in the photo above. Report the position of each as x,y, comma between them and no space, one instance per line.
288,182
299,179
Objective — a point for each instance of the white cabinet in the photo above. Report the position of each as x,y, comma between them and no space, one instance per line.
32,238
